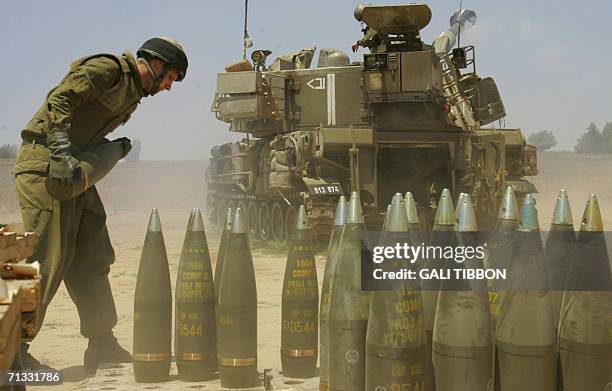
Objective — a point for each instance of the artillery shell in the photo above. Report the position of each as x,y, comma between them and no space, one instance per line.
349,306
237,326
525,334
152,309
330,266
300,301
461,337
585,324
223,244
195,321
559,250
395,341
441,235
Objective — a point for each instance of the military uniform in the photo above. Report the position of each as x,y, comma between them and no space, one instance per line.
370,40
96,96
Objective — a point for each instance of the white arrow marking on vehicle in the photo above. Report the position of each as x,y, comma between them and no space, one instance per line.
318,83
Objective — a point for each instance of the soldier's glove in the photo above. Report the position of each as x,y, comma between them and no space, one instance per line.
63,165
126,144
355,47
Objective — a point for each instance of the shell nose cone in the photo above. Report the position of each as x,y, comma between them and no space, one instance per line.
397,197
466,216
397,221
239,223
341,211
445,214
154,222
355,213
508,210
563,213
591,218
197,224
411,210
385,226
229,216
301,221
459,198
529,215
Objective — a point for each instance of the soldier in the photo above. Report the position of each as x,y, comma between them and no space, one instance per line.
371,39
96,96
378,44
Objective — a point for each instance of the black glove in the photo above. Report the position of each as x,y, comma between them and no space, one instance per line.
62,166
126,144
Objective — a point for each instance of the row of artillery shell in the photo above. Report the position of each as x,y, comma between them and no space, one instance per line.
554,309
546,326
213,333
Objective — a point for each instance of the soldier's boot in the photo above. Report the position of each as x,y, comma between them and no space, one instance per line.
29,362
104,349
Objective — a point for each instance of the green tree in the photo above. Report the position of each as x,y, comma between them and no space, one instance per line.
606,134
592,141
543,140
8,151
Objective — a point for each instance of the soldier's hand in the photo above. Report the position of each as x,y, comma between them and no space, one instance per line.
355,47
126,144
62,169
62,165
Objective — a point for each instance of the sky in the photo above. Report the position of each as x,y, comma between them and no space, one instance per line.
551,59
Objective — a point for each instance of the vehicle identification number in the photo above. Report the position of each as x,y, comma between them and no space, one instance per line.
332,188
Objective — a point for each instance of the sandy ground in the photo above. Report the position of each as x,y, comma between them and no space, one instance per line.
176,187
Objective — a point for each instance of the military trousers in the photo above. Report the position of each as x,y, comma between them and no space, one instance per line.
74,245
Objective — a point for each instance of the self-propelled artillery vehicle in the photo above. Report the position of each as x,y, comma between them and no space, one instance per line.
409,117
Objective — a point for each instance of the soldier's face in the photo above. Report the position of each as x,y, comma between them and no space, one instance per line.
166,83
171,77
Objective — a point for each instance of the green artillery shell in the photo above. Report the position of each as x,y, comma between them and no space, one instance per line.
500,248
416,231
195,322
152,309
395,341
441,235
330,266
300,305
585,324
525,334
95,163
461,339
559,250
381,238
349,306
227,228
237,327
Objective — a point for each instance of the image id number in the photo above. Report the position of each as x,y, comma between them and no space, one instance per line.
32,377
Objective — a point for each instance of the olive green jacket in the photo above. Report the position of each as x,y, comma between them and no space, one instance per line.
98,94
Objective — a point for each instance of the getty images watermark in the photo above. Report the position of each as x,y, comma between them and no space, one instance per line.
469,262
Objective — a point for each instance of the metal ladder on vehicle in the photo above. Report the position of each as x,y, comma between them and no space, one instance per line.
461,107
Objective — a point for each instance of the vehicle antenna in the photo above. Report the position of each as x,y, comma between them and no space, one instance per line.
246,39
458,33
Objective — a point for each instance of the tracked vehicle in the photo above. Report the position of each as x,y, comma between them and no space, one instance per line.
409,117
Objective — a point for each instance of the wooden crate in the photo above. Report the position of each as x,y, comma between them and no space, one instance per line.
28,292
22,280
15,245
10,331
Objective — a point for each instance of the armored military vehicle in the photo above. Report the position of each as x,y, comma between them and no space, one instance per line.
409,117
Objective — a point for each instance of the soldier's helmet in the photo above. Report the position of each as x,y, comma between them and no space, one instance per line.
359,11
168,50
